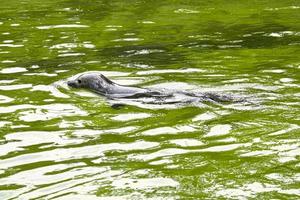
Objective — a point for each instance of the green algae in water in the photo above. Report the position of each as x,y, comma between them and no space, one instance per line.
60,143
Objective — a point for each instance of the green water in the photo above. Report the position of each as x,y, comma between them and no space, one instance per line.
61,143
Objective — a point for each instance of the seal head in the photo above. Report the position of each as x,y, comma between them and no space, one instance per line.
96,82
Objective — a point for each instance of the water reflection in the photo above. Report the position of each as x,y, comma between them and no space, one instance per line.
91,151
13,70
146,183
5,99
62,26
58,143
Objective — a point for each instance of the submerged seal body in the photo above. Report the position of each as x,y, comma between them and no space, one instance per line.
100,84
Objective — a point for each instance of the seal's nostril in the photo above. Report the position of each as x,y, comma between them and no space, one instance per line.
71,83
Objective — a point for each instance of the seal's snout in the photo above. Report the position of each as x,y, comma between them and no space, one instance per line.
72,83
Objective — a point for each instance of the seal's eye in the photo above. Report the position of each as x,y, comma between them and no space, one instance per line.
79,81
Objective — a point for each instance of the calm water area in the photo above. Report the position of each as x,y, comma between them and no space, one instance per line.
62,143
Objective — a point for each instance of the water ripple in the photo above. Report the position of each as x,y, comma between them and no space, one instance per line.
15,87
13,70
5,99
58,142
57,155
62,26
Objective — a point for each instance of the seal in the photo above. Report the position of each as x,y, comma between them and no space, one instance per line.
100,84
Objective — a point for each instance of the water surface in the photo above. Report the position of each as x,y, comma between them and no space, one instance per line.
61,143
